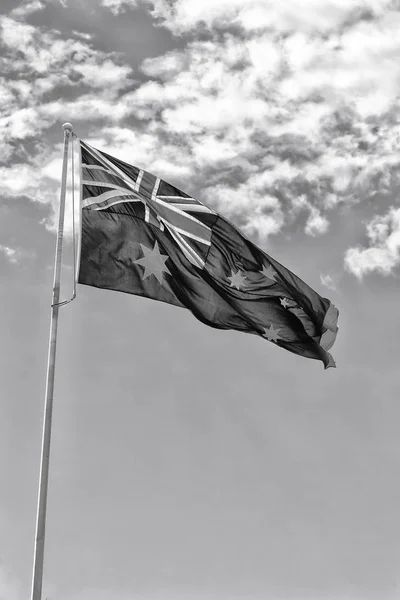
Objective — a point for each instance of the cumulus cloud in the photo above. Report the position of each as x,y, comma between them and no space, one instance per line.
111,74
316,223
118,6
383,252
295,103
14,256
268,111
27,8
10,253
22,179
40,182
256,211
329,281
253,15
39,63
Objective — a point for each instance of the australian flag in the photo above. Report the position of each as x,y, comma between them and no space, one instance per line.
144,236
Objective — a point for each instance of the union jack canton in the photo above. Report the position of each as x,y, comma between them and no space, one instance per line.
106,181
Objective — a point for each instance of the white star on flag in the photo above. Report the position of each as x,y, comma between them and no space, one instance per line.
271,334
268,272
284,302
236,279
153,262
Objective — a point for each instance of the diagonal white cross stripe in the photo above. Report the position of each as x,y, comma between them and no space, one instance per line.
97,168
170,212
107,197
139,180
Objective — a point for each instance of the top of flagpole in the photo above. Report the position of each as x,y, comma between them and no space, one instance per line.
67,127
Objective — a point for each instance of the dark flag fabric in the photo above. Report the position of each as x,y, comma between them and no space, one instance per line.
143,236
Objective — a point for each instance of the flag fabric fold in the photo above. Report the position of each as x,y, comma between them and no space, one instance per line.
143,236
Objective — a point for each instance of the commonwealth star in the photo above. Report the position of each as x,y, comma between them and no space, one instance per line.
236,279
153,262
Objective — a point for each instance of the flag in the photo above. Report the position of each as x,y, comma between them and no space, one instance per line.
144,236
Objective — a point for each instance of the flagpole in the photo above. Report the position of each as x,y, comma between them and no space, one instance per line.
37,576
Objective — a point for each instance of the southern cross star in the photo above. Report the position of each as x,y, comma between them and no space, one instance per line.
284,302
268,272
153,262
236,279
271,334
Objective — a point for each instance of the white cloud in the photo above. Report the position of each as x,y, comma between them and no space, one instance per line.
14,256
27,8
383,252
10,253
87,108
271,102
118,6
104,75
23,123
264,225
22,179
247,98
257,212
40,182
253,15
83,35
45,62
316,224
164,67
329,281
42,62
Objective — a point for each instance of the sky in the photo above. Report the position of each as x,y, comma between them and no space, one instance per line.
189,463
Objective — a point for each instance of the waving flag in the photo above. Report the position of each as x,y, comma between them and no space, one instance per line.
143,236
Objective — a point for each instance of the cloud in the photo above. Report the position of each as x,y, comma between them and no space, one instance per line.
263,102
10,253
110,74
329,281
284,104
40,182
82,35
316,224
22,179
27,8
14,256
40,63
118,6
254,15
383,252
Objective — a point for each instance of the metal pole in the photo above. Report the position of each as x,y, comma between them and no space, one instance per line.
38,560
